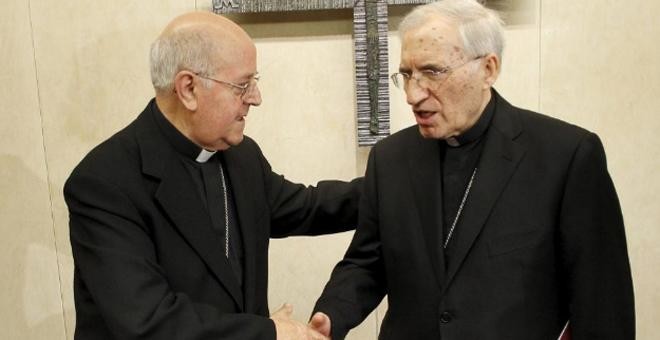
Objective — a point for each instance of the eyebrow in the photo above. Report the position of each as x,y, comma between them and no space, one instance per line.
432,66
427,66
248,76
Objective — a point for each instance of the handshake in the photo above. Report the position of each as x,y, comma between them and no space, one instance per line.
287,328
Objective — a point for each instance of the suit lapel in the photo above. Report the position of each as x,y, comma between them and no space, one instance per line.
244,198
426,182
499,160
183,206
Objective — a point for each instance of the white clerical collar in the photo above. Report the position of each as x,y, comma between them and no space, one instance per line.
453,141
204,156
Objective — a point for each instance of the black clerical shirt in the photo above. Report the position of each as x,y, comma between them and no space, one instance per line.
204,169
459,157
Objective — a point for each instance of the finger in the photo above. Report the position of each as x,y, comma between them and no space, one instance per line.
312,334
321,323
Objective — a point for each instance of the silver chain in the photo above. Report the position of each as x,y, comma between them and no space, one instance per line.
460,208
224,192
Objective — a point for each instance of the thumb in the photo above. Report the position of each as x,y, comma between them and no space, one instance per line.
284,312
321,323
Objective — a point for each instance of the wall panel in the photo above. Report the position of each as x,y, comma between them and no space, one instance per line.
92,61
30,304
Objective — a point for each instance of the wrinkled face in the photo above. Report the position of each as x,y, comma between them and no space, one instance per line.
219,120
450,103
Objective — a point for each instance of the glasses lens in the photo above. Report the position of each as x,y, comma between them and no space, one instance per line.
398,80
251,88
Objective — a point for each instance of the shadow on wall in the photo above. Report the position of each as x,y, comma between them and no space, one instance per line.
31,299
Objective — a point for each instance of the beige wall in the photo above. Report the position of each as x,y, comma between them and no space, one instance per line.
76,71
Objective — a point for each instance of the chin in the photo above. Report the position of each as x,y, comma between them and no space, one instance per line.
235,140
429,133
226,143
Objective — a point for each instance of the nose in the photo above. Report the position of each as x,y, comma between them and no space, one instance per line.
415,93
253,97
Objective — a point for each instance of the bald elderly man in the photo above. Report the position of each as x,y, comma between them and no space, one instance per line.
171,217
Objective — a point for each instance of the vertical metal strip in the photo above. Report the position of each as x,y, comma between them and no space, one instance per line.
370,22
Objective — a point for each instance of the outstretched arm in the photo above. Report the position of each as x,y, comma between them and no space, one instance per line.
358,282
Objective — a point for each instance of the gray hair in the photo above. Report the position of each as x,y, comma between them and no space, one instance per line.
481,29
187,48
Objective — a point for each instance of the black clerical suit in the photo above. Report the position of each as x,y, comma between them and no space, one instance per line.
149,256
540,240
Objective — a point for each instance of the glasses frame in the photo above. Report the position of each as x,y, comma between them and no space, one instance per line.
242,87
429,75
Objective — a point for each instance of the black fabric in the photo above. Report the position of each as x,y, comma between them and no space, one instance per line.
148,263
214,202
458,164
208,183
541,241
185,148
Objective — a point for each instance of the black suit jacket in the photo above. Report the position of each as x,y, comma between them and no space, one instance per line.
540,240
148,264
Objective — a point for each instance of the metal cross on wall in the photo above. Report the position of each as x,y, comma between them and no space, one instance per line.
371,61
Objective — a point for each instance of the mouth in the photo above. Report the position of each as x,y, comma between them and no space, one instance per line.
424,117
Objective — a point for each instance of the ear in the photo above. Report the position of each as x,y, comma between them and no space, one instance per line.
491,69
184,88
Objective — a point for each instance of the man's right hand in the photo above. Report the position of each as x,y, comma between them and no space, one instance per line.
289,329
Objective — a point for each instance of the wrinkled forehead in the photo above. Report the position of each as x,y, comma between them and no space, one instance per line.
238,67
234,55
435,40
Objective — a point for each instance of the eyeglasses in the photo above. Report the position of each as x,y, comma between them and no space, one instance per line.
427,77
241,90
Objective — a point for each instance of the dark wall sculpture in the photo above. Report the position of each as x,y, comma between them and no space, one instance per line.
371,61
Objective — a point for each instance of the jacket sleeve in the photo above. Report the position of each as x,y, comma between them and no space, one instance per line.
592,249
295,209
357,284
115,260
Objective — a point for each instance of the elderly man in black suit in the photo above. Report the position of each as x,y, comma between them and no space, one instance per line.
170,218
483,221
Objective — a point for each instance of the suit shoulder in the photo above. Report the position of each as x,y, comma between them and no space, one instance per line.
400,146
399,141
552,141
547,130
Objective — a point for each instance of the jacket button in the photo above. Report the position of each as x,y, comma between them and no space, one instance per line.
445,317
